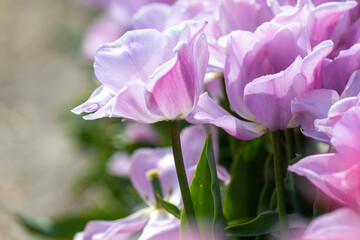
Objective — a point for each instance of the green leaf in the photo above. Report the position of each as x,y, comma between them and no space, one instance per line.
205,194
171,208
247,181
266,222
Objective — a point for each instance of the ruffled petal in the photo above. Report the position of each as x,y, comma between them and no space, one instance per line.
207,111
174,89
99,98
128,104
313,105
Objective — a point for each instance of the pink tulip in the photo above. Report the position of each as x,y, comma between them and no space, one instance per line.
336,72
155,222
341,224
150,76
325,105
264,71
321,20
337,174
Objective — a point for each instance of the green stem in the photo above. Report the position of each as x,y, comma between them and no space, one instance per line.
290,143
279,181
290,146
153,176
181,173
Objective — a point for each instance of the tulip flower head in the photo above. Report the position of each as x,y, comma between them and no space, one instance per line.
149,76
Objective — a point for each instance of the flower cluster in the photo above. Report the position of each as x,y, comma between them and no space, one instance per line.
247,67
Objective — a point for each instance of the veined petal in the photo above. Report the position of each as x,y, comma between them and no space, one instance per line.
207,111
174,89
269,97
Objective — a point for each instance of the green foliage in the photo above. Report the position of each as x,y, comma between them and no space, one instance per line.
171,208
266,222
246,180
205,193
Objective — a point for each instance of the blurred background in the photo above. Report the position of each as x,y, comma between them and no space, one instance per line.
42,78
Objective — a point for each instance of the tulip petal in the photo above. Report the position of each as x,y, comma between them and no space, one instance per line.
352,87
335,113
313,105
174,89
132,57
321,170
341,224
129,104
120,229
162,160
346,134
161,226
336,72
207,111
99,98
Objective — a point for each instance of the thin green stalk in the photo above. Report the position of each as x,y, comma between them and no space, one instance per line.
279,181
181,174
290,147
290,143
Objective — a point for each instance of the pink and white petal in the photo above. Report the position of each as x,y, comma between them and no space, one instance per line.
135,56
153,15
161,226
128,104
341,224
335,113
162,160
284,45
269,97
352,87
243,15
130,224
346,135
173,91
312,63
321,170
99,98
207,111
242,49
312,105
325,17
336,72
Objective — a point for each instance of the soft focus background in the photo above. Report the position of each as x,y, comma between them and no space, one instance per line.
42,77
